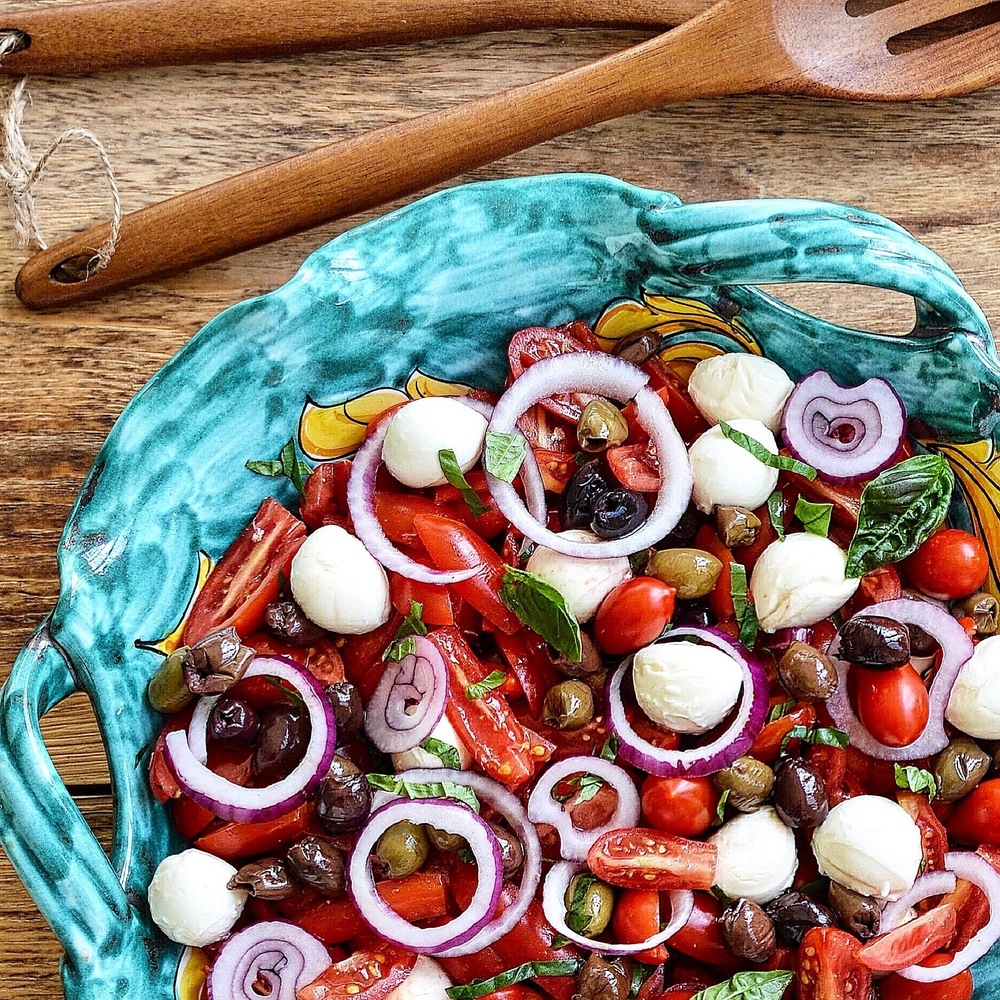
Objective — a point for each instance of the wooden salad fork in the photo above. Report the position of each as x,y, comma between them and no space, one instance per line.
866,50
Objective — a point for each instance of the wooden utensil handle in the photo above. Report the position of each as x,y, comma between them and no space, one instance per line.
120,33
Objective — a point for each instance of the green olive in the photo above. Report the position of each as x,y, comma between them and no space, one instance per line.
589,904
748,781
168,691
958,768
736,525
601,426
403,849
568,705
692,572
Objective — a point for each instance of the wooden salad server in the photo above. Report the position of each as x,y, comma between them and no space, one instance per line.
816,47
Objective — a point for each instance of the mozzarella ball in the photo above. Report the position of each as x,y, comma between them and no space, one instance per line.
869,844
686,687
725,473
419,757
190,901
426,981
419,430
583,583
732,386
338,585
800,581
757,857
974,705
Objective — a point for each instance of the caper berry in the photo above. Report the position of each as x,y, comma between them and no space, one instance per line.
601,980
288,622
806,673
402,849
637,347
875,641
983,609
585,487
858,914
268,878
343,798
568,705
234,721
794,912
601,426
958,768
589,903
737,526
692,572
618,513
800,797
168,692
748,781
281,740
318,863
748,931
348,710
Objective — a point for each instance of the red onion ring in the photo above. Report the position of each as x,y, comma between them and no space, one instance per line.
977,870
734,741
605,375
409,700
574,842
443,815
938,883
231,801
282,955
554,907
956,648
509,806
844,433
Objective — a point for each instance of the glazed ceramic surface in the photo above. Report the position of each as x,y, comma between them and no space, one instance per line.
410,305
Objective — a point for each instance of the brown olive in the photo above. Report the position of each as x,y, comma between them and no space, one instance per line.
214,664
692,572
737,526
806,673
794,912
568,705
234,721
343,798
958,768
983,609
858,914
601,980
875,641
288,622
167,689
317,862
590,660
511,850
637,347
402,849
748,781
800,798
601,426
268,878
748,931
585,487
347,710
281,740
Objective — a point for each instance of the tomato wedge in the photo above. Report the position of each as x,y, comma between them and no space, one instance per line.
642,858
828,966
367,975
247,578
912,942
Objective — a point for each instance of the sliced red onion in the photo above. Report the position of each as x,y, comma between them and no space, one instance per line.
956,648
409,700
604,375
733,742
845,434
442,814
554,907
361,503
938,883
977,870
574,842
246,805
274,954
509,806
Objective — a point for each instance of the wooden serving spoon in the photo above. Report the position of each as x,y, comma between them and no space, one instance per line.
817,47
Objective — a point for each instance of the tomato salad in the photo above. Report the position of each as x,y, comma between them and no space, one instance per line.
619,685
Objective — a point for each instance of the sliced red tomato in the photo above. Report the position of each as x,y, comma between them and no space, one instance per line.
246,579
720,600
828,966
325,499
633,615
958,987
912,942
974,820
635,466
435,600
322,658
685,807
892,704
933,835
701,937
233,840
636,918
371,974
526,654
556,467
643,858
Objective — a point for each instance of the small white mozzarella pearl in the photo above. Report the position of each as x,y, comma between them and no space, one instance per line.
974,704
725,473
189,899
757,856
419,430
426,981
686,687
418,757
732,386
338,585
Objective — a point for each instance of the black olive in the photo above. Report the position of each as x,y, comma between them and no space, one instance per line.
343,801
875,642
799,796
288,621
281,740
585,488
618,513
794,912
233,721
318,863
347,710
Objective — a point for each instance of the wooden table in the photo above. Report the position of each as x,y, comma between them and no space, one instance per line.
65,376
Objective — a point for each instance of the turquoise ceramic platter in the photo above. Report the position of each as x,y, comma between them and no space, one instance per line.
429,294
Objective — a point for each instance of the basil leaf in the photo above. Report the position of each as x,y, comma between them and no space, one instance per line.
482,688
720,809
775,510
822,735
815,517
402,644
425,790
504,454
916,779
287,464
452,471
578,916
529,970
749,986
780,710
746,616
543,609
752,445
609,751
445,752
900,509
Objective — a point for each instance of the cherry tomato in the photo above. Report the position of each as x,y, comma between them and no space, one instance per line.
367,975
635,466
641,858
636,917
247,578
912,942
682,806
892,704
974,820
956,988
828,966
325,499
633,615
950,564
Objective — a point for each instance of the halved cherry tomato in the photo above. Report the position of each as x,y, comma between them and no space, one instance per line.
828,966
635,466
933,836
682,806
633,615
245,840
643,858
912,942
951,564
434,600
892,704
636,917
325,499
246,579
701,937
367,975
974,820
956,988
526,653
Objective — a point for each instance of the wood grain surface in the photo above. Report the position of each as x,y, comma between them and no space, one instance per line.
66,375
